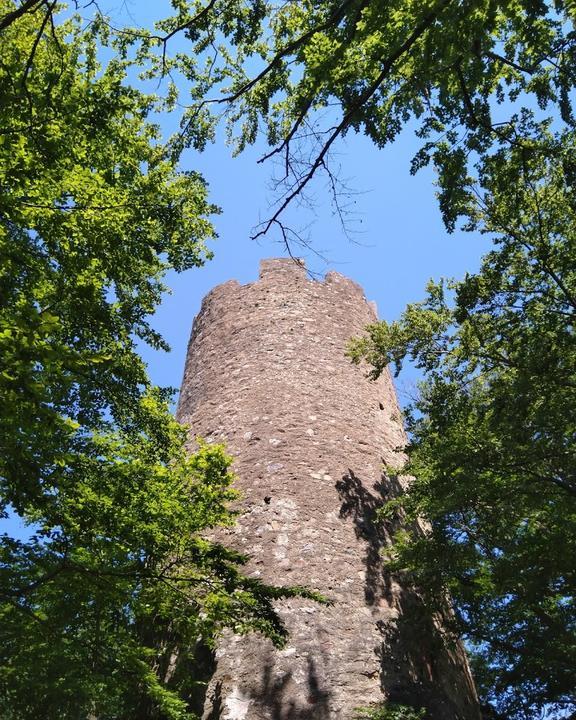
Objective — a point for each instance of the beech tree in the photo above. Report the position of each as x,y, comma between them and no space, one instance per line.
108,605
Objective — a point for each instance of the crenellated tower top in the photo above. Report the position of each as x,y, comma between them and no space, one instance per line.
267,373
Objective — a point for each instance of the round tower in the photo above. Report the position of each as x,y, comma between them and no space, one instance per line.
267,374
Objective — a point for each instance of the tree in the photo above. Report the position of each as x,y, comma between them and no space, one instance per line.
109,604
488,85
471,78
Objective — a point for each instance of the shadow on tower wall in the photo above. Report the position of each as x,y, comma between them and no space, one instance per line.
419,664
362,505
277,692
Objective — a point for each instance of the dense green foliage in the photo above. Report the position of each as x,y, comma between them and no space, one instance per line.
104,602
491,451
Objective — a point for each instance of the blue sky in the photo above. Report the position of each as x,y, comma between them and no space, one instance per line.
399,245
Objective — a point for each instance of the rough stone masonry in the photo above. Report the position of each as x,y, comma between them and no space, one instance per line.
267,373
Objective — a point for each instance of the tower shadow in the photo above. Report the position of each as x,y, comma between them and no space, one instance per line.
419,664
361,506
277,694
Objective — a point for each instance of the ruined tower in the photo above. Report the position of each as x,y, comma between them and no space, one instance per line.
266,372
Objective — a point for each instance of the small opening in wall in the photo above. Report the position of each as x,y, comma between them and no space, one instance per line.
267,499
381,406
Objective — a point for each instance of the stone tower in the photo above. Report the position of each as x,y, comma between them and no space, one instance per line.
266,372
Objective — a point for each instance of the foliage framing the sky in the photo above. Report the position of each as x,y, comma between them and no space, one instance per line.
488,85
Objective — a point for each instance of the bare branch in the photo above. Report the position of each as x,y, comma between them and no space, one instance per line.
388,64
510,63
294,129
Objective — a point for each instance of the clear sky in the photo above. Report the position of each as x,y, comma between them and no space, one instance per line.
400,244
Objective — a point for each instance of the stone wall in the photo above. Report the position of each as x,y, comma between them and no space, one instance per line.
267,373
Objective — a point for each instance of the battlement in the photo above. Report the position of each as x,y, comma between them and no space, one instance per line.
282,272
282,268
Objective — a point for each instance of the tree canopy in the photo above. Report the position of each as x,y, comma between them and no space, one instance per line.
473,79
110,599
94,210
